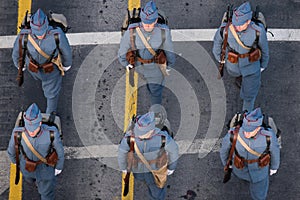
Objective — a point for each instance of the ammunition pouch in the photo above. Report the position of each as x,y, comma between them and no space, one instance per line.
233,57
47,67
255,55
33,67
52,158
31,165
160,57
238,162
130,57
264,160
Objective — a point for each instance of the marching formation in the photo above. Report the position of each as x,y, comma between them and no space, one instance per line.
250,149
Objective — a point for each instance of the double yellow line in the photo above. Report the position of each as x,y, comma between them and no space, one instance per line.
15,191
130,107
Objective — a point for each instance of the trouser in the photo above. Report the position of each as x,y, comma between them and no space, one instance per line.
51,84
52,104
154,192
259,190
46,188
249,90
155,91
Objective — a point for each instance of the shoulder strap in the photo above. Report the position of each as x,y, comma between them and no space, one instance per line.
163,38
140,155
235,134
36,46
163,141
57,41
146,43
51,141
247,147
232,30
268,143
37,154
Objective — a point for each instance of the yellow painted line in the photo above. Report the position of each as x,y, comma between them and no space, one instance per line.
23,6
134,4
15,191
130,110
130,107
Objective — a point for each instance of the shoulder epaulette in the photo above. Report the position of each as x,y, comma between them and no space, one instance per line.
162,26
267,132
255,27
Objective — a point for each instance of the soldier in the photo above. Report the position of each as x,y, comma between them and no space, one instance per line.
149,66
51,41
150,141
39,136
247,52
256,153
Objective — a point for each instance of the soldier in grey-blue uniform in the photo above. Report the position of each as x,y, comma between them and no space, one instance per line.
38,135
44,36
149,141
153,32
247,32
255,136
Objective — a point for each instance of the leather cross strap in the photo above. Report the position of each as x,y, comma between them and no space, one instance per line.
232,30
146,43
36,46
247,147
140,155
37,154
56,61
235,133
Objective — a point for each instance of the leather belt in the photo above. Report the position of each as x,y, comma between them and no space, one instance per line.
145,61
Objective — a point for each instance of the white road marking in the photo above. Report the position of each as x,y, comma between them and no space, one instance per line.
95,38
100,151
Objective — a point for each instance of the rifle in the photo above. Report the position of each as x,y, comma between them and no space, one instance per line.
22,52
224,45
17,139
130,158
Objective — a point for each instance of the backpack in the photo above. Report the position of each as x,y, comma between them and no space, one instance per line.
55,20
257,17
133,16
268,123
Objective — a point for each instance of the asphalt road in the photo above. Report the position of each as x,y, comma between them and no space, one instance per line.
94,177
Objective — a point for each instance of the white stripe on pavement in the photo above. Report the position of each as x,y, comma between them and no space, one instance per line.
110,151
96,151
95,38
